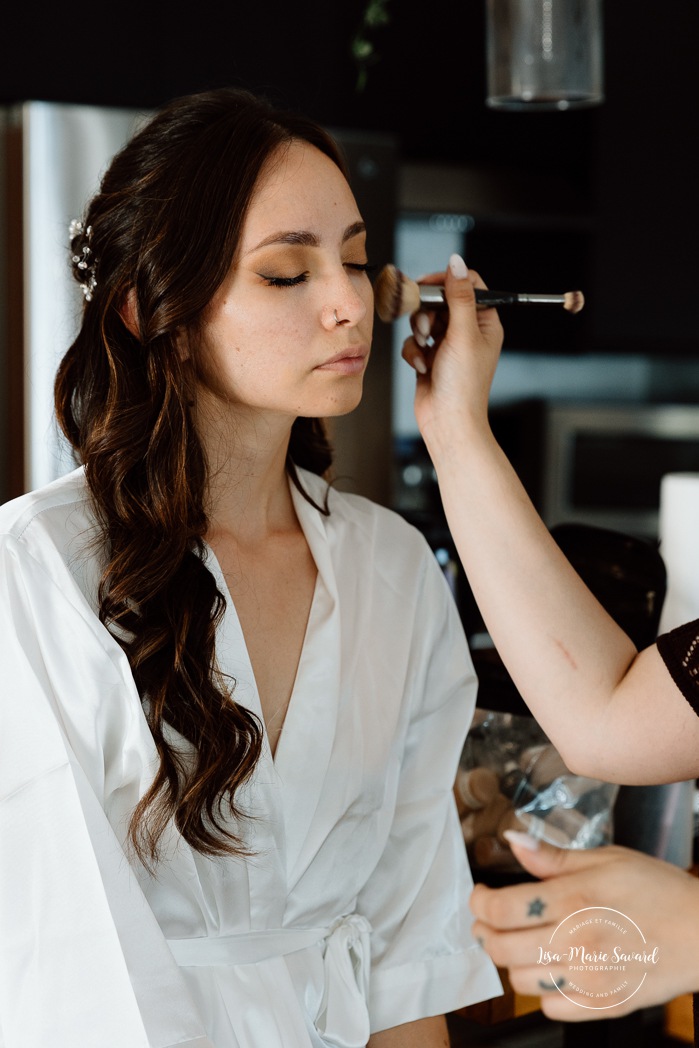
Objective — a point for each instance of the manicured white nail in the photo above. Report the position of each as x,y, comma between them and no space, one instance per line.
422,323
420,339
458,267
523,839
420,365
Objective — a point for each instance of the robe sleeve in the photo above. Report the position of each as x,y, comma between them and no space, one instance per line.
82,959
679,650
425,960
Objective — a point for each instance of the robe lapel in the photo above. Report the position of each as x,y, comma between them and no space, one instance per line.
305,748
261,797
284,793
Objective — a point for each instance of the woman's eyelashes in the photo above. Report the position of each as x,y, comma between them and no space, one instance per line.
361,267
285,281
301,278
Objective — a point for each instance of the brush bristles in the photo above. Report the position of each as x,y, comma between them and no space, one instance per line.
395,294
573,301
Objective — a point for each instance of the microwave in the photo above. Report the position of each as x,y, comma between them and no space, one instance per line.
602,463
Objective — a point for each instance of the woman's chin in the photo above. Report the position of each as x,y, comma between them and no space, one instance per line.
345,401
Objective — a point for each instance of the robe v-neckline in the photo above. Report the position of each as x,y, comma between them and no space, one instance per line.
292,780
213,562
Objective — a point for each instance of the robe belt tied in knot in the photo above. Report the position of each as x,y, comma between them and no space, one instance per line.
343,1018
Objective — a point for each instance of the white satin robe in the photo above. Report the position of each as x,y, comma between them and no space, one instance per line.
357,847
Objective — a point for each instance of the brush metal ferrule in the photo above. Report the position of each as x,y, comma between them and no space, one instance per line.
555,300
432,295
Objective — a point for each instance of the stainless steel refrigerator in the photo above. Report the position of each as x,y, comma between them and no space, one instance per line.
52,156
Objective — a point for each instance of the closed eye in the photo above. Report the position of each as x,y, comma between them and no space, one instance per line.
361,267
301,278
284,281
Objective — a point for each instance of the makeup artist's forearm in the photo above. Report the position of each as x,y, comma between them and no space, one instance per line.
423,1033
565,654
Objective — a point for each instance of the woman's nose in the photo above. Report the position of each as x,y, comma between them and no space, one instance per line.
346,306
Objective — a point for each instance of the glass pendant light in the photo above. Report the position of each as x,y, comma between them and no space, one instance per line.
544,54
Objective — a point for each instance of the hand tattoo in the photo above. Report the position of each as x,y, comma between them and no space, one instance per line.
555,985
536,908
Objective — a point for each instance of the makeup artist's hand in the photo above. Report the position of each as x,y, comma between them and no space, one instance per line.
455,353
515,922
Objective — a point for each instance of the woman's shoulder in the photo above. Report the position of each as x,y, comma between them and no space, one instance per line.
349,505
348,509
51,500
51,523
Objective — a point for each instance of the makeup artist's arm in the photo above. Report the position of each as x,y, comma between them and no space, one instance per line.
661,899
613,713
423,1033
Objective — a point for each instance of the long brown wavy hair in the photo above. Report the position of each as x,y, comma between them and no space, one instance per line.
164,228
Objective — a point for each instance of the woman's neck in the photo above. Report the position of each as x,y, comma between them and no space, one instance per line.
248,489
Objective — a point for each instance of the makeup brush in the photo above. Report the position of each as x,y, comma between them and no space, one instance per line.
395,295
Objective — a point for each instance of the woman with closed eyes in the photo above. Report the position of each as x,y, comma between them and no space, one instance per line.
234,698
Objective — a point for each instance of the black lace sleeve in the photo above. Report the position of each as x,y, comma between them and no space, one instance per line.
679,650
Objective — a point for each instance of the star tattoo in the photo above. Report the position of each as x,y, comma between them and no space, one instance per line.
555,985
536,908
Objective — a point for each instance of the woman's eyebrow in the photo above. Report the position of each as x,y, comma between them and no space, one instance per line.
353,231
306,239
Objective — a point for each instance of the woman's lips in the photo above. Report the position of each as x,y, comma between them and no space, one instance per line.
348,362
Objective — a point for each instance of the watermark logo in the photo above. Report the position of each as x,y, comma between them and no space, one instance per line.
598,958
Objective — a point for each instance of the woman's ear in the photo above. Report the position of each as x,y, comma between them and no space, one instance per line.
129,313
182,344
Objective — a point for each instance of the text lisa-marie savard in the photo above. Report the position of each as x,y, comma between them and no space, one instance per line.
616,957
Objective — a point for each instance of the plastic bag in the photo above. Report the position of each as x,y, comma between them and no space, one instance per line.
512,777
